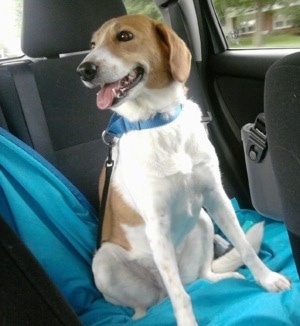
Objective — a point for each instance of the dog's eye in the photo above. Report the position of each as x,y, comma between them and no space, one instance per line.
93,44
124,36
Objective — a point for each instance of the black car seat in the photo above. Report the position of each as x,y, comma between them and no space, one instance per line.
43,103
282,111
43,100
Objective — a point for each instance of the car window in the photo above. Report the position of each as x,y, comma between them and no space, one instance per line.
260,23
10,28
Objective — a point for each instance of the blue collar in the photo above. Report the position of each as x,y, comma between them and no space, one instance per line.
118,125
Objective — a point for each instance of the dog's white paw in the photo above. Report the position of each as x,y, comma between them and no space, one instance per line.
275,282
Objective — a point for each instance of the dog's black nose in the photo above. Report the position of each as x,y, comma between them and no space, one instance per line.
87,71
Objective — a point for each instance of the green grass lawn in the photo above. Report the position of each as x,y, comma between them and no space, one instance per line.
282,40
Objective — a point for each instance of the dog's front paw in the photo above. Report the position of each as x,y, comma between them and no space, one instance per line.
275,282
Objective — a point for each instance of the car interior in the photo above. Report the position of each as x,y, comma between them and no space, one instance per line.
47,112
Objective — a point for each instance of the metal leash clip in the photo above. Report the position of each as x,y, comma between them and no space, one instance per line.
109,139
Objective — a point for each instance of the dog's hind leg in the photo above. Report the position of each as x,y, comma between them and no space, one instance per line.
123,281
197,254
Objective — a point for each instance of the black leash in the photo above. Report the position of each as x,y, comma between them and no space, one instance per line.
109,164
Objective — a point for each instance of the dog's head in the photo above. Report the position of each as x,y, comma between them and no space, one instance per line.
131,57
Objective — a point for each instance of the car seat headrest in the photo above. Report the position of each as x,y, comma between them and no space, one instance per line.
53,27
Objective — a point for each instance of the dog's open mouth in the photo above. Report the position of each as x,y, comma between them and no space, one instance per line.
111,93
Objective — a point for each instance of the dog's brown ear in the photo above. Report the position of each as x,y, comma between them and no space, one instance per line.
179,54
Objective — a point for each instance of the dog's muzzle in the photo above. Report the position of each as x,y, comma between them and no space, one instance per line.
87,71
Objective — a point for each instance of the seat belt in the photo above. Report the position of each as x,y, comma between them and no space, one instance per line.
3,123
177,22
32,108
178,25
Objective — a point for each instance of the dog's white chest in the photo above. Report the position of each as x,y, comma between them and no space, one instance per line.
160,170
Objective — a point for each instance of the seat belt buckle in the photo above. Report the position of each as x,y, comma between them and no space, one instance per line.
257,142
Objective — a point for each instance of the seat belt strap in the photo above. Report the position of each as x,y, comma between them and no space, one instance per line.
3,123
32,109
178,24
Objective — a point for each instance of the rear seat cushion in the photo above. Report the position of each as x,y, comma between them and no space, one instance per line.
75,124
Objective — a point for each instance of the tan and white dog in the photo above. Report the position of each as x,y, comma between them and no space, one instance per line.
166,185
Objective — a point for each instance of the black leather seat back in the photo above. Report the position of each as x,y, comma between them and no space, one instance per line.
53,27
282,110
44,101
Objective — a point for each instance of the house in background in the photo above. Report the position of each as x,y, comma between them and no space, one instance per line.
275,18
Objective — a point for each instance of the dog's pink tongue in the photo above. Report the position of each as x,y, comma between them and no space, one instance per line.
106,96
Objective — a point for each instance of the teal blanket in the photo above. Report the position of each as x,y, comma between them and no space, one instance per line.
59,226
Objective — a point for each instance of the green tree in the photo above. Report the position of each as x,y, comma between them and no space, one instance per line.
293,10
18,12
145,7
